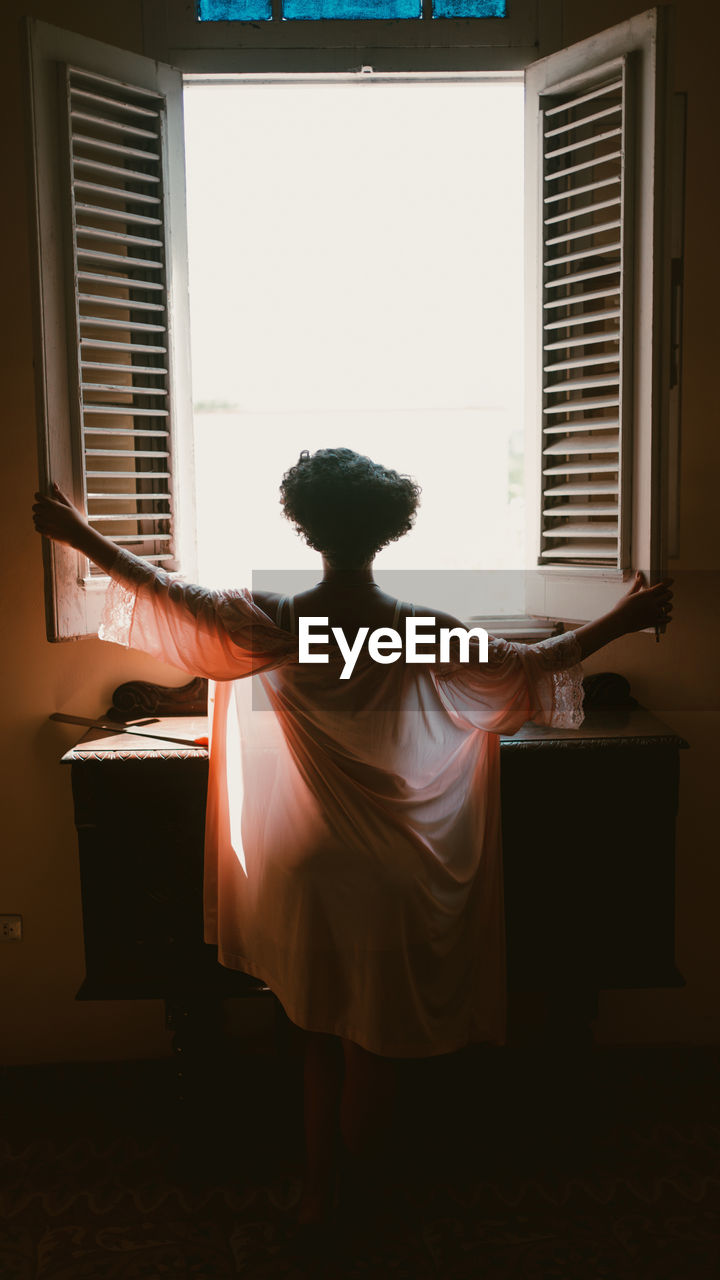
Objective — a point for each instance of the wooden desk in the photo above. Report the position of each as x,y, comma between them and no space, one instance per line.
589,856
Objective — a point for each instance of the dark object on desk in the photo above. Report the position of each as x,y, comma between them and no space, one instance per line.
607,689
142,698
589,845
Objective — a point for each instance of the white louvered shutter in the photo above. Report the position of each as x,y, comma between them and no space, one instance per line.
116,135
598,273
586,299
108,139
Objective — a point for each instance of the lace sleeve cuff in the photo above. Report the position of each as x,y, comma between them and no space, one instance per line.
117,615
127,574
568,694
555,679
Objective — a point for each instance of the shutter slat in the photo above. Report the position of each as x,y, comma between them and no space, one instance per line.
573,384
587,295
591,141
126,432
116,137
127,108
582,210
125,453
583,254
128,475
582,424
611,269
117,171
583,362
583,489
582,166
102,300
129,539
128,410
117,237
118,126
123,389
584,231
130,326
109,85
118,215
569,406
579,468
151,516
121,282
581,191
583,529
612,86
123,368
600,550
133,197
585,444
119,260
128,497
588,317
114,148
583,340
583,120
107,345
583,509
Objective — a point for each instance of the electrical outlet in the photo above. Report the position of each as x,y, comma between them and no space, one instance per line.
10,928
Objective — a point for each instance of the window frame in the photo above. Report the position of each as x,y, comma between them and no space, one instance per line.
172,33
552,591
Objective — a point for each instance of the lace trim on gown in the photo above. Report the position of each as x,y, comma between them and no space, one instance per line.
561,656
118,611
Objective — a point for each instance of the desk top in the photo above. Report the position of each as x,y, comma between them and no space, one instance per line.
603,727
99,744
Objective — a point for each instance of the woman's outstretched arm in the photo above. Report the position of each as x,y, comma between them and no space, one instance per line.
639,608
218,634
543,681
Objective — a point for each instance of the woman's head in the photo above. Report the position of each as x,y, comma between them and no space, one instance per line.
346,506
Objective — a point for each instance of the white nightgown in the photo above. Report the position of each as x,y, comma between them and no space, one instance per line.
352,845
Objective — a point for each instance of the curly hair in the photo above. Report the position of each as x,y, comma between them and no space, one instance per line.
346,506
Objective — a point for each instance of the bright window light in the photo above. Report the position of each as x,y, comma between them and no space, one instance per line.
356,279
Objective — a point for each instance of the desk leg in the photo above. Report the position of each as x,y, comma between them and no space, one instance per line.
196,1024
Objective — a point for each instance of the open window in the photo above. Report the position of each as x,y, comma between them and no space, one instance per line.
114,400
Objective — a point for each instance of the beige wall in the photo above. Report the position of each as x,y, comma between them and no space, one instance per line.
39,878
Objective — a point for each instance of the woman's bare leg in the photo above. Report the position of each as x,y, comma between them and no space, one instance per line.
322,1085
368,1099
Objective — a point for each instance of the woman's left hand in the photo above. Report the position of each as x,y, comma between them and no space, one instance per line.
56,517
645,606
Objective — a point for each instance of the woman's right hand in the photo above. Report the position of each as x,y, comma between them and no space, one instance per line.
56,517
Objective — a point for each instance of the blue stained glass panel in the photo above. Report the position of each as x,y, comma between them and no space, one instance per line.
469,8
234,10
351,9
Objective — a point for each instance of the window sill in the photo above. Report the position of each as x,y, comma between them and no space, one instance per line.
520,628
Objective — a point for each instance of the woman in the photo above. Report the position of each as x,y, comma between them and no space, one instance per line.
352,834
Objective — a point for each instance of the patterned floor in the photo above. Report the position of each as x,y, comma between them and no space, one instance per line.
502,1166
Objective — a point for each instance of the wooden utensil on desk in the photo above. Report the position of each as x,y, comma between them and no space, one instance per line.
109,727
